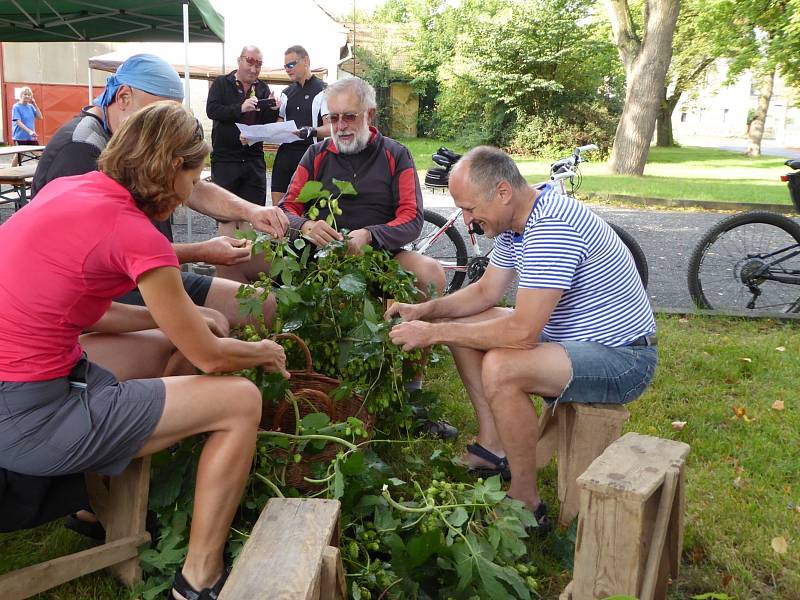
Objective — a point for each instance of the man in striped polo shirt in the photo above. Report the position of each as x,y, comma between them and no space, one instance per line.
582,329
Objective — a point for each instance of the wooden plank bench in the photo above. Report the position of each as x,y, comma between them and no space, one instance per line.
630,528
577,434
291,554
121,505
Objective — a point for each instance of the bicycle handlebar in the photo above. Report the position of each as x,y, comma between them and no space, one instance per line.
586,148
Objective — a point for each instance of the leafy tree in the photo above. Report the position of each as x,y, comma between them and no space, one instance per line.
646,55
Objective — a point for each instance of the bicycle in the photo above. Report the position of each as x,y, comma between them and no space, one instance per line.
750,260
440,238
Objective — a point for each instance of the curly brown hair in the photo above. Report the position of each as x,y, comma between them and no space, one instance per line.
141,154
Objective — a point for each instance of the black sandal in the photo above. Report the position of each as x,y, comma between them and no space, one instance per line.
92,529
500,463
181,586
545,525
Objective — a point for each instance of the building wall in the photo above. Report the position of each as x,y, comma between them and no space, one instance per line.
716,109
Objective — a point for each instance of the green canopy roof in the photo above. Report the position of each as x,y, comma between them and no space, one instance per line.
108,21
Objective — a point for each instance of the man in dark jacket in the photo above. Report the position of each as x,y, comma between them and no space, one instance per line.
240,97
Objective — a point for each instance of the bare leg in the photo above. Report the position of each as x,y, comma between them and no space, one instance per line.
509,377
229,409
222,297
428,271
244,272
135,355
276,197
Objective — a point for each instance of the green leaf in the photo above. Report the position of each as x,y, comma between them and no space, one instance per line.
369,311
511,577
345,187
395,481
353,464
353,283
276,267
299,243
344,355
421,547
458,517
385,519
315,421
311,191
464,563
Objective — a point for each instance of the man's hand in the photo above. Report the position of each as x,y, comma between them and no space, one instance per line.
320,233
273,357
413,334
227,251
407,312
250,104
214,327
243,140
269,219
305,133
358,239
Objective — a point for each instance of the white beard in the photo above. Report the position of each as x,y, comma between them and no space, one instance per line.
354,146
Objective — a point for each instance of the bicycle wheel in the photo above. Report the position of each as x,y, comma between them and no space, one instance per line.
749,261
639,259
446,246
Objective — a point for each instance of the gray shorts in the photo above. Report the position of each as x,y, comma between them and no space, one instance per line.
196,287
56,428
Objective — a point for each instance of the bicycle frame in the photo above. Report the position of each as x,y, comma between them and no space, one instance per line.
474,242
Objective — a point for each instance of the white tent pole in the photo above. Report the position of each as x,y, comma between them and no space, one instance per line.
187,99
89,71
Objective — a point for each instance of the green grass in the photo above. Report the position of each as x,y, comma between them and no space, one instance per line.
687,173
703,372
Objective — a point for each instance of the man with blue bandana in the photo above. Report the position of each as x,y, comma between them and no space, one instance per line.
74,149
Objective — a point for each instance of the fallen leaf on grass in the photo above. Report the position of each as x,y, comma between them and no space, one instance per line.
777,405
797,509
745,359
738,483
678,425
740,412
683,320
779,544
781,348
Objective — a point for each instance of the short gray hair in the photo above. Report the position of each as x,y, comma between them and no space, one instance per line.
363,91
298,50
488,166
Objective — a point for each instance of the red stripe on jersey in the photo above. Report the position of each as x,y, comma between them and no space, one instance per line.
407,206
298,181
317,162
392,163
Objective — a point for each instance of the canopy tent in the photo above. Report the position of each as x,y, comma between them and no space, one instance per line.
201,67
112,21
108,21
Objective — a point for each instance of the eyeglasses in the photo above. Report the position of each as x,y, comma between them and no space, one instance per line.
345,117
253,62
290,65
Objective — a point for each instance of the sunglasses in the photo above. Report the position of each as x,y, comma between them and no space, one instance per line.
344,117
252,61
290,65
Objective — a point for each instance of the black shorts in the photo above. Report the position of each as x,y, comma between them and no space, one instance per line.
245,178
286,161
196,286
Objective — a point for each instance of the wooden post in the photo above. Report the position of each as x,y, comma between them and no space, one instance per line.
630,526
584,432
287,555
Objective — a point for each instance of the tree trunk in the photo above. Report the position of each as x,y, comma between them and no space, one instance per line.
664,138
646,66
756,129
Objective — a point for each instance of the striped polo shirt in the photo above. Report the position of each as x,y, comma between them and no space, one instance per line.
566,246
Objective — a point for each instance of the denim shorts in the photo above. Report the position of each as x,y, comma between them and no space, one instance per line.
605,375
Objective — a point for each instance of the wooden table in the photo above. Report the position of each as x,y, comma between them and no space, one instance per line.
19,178
25,153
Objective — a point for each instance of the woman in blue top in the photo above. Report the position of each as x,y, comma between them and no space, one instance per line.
23,116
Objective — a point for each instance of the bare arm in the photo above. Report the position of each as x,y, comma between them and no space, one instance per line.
217,202
520,328
122,318
178,317
471,300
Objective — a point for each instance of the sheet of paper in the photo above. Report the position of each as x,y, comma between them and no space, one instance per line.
271,133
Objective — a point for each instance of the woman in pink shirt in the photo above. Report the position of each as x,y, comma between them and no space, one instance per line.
88,239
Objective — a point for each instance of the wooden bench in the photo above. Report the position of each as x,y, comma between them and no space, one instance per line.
291,554
577,434
19,178
630,528
121,505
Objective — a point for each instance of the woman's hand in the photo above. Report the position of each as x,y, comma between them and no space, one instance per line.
274,357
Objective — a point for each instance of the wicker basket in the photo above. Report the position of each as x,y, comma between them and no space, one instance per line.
312,393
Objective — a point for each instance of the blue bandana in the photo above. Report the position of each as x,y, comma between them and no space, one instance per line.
144,72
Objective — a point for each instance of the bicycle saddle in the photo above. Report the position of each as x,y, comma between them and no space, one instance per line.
442,160
793,164
447,153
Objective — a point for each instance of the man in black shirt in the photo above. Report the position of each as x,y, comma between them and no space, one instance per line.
303,102
240,97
